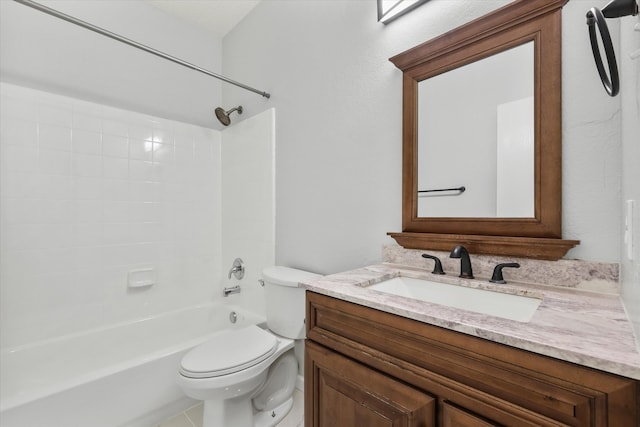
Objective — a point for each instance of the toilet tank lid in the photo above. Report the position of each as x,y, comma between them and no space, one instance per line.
286,276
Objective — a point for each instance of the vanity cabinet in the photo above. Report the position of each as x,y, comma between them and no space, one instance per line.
365,367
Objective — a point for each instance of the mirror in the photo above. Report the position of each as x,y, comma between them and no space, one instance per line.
483,143
500,200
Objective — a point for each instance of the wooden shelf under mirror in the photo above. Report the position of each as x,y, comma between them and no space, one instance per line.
521,247
487,219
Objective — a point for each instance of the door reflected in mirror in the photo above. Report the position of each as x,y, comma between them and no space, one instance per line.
476,130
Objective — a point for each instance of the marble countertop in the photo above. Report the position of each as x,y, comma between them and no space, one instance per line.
582,327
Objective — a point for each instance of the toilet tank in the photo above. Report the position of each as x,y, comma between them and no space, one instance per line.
285,300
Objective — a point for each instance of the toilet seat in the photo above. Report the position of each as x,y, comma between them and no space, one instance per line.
229,352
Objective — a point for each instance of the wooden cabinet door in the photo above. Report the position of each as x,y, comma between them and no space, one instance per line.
341,392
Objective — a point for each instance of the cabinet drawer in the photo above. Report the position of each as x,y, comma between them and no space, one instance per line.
452,416
448,363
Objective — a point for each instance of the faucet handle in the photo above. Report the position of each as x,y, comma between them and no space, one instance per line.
237,269
496,277
437,268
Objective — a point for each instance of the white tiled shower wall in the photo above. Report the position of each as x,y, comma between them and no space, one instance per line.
89,193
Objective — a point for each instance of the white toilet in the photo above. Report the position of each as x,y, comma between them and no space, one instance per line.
246,377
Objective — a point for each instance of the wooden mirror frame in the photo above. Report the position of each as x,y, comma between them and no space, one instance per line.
512,25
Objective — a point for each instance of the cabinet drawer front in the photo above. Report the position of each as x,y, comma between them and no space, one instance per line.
452,416
346,393
436,357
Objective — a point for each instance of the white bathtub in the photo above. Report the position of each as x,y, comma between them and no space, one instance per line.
123,375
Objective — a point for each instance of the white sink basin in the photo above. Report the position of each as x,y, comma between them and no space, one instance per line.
499,304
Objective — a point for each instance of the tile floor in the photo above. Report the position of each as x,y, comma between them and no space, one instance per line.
192,417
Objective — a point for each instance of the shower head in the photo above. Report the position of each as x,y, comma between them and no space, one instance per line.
223,116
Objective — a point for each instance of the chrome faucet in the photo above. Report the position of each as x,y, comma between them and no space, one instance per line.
237,269
231,290
465,262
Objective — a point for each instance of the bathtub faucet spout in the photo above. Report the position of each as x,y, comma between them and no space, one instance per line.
232,290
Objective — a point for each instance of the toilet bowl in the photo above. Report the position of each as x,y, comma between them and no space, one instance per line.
246,377
233,369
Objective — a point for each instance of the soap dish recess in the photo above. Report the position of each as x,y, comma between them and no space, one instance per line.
141,278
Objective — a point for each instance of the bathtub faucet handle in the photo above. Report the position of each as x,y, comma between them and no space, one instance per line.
237,269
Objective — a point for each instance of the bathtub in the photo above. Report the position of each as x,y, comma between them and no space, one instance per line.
121,375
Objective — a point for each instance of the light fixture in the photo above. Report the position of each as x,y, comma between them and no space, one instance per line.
388,10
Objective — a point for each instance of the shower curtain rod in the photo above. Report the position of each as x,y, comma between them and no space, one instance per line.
135,44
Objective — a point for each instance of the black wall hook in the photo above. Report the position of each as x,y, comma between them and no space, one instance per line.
611,82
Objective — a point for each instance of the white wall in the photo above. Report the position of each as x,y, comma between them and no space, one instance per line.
248,204
89,193
630,97
339,124
591,162
44,52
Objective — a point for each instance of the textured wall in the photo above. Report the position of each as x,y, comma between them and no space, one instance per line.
630,97
339,124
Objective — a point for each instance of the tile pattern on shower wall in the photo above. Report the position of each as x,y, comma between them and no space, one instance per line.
90,192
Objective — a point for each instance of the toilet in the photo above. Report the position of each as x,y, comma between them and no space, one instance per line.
246,377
